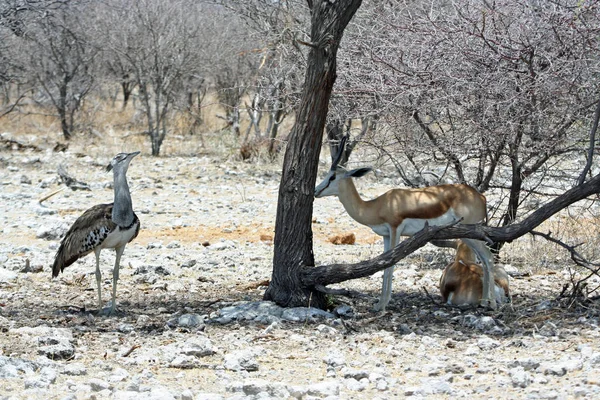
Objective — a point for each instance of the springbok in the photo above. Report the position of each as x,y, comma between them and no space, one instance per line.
404,212
461,280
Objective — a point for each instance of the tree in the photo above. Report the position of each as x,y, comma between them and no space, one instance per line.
157,43
293,233
295,280
63,63
493,92
55,57
274,82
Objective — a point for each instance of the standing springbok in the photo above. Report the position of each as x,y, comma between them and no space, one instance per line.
461,280
404,212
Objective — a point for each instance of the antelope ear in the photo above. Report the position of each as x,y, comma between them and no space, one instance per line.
357,173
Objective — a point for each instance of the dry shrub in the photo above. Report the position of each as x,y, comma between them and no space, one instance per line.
260,148
574,226
349,238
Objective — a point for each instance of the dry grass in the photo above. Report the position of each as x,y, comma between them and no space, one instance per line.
537,256
105,128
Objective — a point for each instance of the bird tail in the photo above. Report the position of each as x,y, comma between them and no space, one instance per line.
62,259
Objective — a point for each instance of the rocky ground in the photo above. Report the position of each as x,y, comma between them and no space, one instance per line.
192,325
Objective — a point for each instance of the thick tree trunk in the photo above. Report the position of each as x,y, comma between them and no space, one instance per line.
293,232
330,274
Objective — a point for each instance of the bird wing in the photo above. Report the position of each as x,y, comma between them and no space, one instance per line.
136,221
88,232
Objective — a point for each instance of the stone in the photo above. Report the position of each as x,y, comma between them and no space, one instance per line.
118,375
75,369
436,387
344,311
187,321
241,360
248,312
208,396
7,276
335,359
199,346
98,385
324,389
485,343
184,362
354,374
553,369
56,349
305,314
520,377
528,364
5,324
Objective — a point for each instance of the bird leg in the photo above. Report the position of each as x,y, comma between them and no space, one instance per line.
98,278
119,251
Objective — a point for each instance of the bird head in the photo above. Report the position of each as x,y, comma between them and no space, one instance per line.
121,160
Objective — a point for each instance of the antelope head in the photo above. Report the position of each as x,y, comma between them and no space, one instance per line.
330,184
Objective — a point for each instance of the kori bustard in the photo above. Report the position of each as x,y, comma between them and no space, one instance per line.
104,226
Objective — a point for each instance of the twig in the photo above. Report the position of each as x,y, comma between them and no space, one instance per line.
578,287
590,155
128,352
434,301
575,256
40,201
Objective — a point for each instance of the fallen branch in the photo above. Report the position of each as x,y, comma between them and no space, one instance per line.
14,144
71,182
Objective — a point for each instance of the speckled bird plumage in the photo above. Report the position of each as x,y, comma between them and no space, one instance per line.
101,227
87,233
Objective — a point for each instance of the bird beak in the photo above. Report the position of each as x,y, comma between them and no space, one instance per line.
135,153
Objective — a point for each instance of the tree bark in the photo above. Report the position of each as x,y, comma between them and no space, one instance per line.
293,251
336,273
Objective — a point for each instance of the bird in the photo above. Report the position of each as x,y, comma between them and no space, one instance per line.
103,226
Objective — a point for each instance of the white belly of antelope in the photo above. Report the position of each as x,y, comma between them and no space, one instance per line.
410,226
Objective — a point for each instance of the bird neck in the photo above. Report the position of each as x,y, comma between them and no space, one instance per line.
122,212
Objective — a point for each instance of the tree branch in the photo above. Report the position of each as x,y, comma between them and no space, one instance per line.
575,256
590,155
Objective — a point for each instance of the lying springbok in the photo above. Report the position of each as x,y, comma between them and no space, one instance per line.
461,281
404,212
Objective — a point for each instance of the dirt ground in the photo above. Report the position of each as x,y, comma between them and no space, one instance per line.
209,221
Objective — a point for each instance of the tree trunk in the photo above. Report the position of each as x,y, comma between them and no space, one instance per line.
293,250
62,111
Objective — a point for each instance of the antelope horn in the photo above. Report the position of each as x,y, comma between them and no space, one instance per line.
340,152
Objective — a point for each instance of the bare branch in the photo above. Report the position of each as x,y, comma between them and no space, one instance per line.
590,154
